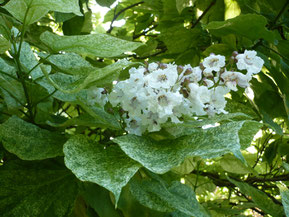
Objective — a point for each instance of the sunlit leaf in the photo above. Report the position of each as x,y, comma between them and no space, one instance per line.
100,45
31,11
161,156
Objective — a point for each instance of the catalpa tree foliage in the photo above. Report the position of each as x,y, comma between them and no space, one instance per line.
159,108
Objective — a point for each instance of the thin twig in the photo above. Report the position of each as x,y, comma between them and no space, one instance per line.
280,13
19,72
203,14
46,97
144,32
152,55
40,62
120,12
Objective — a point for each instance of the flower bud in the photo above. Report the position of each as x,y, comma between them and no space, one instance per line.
202,67
180,69
186,82
185,93
235,53
163,66
188,71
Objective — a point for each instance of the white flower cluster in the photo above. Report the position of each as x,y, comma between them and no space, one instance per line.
160,92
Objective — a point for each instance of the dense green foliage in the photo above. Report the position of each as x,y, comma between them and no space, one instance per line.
62,155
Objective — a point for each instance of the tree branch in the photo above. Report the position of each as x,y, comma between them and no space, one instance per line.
203,14
144,32
280,13
119,13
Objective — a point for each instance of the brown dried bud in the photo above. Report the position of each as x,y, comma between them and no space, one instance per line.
188,71
186,82
235,53
163,66
202,66
180,69
185,93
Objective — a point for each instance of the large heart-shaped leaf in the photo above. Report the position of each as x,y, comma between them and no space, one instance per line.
100,45
30,142
105,166
36,189
161,156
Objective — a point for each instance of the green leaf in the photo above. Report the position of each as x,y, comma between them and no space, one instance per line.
259,198
158,196
32,10
106,166
105,3
131,207
12,90
4,44
96,116
161,156
29,61
99,77
99,199
39,189
85,120
286,166
247,132
100,45
285,198
233,165
103,118
30,142
222,49
187,166
5,67
178,38
204,184
251,26
78,25
69,63
190,126
182,4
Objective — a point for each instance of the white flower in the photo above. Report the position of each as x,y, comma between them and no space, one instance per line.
117,93
209,83
156,95
151,121
250,61
217,100
164,102
195,75
199,95
134,126
213,63
153,67
163,78
137,75
97,96
232,79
